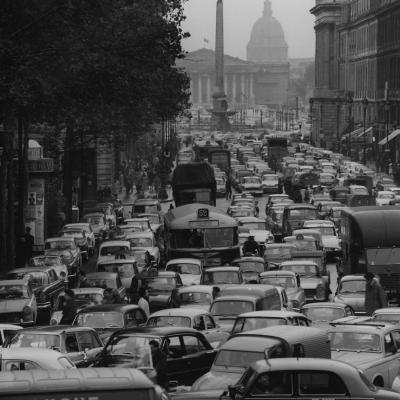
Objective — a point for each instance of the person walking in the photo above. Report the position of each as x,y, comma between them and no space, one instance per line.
228,188
143,302
375,296
69,307
29,242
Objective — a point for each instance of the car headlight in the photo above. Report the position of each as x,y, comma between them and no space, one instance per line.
320,292
27,314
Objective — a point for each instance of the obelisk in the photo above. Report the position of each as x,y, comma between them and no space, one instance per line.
220,105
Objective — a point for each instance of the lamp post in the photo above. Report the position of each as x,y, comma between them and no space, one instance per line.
261,117
365,107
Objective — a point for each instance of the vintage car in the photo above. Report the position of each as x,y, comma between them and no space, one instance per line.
107,280
276,253
66,248
97,222
351,291
137,225
114,249
257,228
23,359
160,288
189,355
108,318
288,280
155,220
18,304
242,349
316,287
302,378
221,276
84,297
240,211
251,267
88,233
267,318
294,216
7,331
80,344
197,296
126,269
270,183
189,269
372,346
195,318
54,262
385,197
300,234
146,241
45,284
81,240
321,314
221,187
251,184
387,314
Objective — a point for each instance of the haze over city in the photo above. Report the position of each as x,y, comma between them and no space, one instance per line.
239,18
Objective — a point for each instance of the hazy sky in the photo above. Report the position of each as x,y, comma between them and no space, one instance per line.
239,17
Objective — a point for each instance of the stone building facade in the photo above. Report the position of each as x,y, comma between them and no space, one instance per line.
357,71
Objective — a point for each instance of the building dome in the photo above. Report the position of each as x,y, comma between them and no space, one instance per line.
267,42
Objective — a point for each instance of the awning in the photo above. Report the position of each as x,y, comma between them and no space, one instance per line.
393,135
357,134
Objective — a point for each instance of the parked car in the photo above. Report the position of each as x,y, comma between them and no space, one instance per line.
45,284
195,318
371,346
351,291
109,318
305,378
267,318
189,269
321,314
80,344
23,359
107,280
18,303
387,314
290,281
197,296
8,331
189,355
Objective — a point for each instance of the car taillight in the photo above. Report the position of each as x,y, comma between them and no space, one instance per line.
27,314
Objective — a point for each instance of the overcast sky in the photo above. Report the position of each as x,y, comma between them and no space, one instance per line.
239,17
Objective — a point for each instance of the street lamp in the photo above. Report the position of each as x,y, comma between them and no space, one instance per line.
365,107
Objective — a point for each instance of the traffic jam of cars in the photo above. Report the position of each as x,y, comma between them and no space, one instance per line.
215,298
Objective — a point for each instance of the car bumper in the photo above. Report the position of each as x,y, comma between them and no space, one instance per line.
333,252
270,189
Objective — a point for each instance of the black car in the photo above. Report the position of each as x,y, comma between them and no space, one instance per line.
108,318
189,354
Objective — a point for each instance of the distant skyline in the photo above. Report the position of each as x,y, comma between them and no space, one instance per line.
239,18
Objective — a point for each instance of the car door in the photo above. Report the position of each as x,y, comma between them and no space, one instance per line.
89,344
213,333
393,357
172,346
71,348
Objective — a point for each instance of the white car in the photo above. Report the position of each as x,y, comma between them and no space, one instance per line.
89,232
330,240
257,228
144,240
189,269
251,184
396,191
384,198
270,183
114,249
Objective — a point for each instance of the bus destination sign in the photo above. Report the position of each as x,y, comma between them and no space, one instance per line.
204,224
203,213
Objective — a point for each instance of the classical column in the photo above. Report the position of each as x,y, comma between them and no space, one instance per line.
200,97
191,89
208,89
234,88
243,88
252,97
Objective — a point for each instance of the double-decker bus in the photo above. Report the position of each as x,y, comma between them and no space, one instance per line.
215,155
203,232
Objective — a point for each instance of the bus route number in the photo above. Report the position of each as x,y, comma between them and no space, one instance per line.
202,213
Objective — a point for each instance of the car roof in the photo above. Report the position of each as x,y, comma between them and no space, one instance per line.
184,260
179,312
281,331
141,234
197,289
238,297
110,243
38,268
156,331
101,274
278,272
88,290
360,324
109,308
10,327
222,269
130,260
56,329
11,282
353,277
250,219
298,262
322,304
250,258
60,239
272,314
30,353
145,202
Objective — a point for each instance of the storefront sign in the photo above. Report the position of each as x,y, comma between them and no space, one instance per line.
40,166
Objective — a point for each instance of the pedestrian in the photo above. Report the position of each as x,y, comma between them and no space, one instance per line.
228,188
29,240
143,302
159,363
256,209
175,299
375,296
69,307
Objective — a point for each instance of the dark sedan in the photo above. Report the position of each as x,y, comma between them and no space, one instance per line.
108,318
189,354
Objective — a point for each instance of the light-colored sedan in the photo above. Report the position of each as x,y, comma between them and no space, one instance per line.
351,291
195,318
197,296
144,240
385,197
189,269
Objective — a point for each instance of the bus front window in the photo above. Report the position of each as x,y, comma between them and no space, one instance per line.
203,238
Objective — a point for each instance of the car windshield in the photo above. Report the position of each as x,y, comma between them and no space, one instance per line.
220,277
324,314
283,281
304,270
252,323
385,196
99,320
195,298
96,220
356,286
185,268
136,348
302,245
169,320
141,242
303,214
37,261
142,209
161,284
59,245
35,278
85,299
256,226
36,340
355,341
251,266
113,250
10,292
101,283
231,307
272,178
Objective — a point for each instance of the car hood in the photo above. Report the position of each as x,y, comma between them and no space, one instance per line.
361,359
354,300
7,306
330,241
214,380
203,395
310,283
161,297
189,280
260,236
